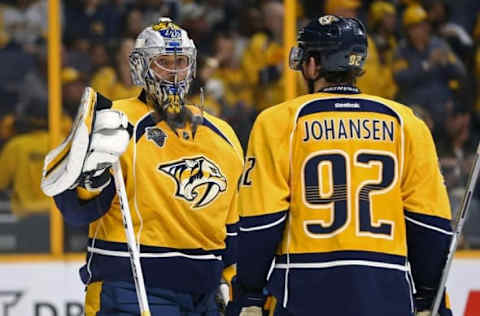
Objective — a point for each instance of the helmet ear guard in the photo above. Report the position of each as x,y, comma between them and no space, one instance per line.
295,59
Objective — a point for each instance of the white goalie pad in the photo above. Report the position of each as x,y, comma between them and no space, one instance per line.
98,137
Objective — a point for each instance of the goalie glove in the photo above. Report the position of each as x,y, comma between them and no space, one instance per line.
98,137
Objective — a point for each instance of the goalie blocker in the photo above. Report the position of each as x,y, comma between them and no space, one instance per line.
98,137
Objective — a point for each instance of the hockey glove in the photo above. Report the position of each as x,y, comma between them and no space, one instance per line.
245,303
222,296
98,137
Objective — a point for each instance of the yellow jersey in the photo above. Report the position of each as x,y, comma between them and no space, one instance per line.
182,192
344,189
22,164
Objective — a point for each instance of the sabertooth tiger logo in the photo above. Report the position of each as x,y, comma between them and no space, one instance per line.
198,179
156,135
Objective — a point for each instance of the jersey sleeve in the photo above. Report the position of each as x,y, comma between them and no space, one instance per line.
427,213
77,211
264,199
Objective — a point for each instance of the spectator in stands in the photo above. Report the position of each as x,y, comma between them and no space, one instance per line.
73,85
134,23
25,22
382,19
212,100
230,72
240,112
103,76
123,86
377,79
263,59
22,161
425,68
35,82
456,153
152,9
90,19
454,34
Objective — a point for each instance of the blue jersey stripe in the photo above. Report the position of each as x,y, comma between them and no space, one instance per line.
342,255
361,105
211,126
122,247
142,125
428,220
252,222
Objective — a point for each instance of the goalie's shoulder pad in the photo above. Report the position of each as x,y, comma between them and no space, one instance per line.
64,164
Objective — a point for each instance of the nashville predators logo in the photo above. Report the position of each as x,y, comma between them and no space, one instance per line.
198,180
327,19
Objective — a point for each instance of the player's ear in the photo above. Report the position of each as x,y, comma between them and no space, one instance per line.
311,68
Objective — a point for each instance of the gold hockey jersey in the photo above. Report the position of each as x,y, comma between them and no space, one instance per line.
342,187
182,192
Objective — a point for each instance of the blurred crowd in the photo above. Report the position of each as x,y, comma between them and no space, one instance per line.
423,53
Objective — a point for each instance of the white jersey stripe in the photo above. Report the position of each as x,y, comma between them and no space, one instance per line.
428,226
340,263
115,253
243,229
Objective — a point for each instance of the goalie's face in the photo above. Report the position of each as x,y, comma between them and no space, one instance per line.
171,68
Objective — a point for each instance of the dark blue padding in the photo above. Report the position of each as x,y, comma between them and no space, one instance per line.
344,290
328,105
260,245
427,253
79,212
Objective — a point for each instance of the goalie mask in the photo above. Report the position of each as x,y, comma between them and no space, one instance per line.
163,62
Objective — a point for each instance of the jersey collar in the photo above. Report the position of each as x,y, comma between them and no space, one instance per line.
341,89
143,96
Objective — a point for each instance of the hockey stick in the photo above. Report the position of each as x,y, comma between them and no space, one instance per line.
459,221
131,242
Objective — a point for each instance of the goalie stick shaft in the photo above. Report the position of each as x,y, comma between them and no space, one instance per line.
131,242
462,215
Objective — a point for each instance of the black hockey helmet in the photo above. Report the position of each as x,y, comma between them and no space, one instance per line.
339,43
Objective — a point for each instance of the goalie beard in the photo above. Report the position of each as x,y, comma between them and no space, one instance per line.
173,111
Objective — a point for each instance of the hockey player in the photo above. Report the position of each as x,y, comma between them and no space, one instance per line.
343,191
181,170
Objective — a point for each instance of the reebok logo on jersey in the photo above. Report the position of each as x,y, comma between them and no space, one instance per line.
156,135
347,105
198,179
